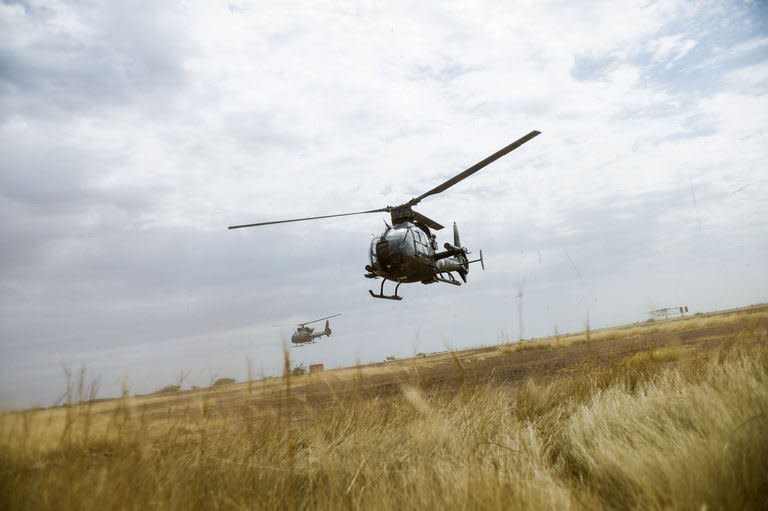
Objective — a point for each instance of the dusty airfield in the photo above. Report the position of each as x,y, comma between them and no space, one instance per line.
504,364
663,414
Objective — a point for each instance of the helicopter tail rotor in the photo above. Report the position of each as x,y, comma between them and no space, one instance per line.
478,260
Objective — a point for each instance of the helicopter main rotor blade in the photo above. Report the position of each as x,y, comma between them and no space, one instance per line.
380,210
474,168
316,320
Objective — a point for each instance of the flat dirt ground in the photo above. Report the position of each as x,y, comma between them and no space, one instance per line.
510,364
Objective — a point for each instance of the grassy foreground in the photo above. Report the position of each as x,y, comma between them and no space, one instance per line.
659,429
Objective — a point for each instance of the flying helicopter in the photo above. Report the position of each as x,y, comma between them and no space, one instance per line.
306,335
407,250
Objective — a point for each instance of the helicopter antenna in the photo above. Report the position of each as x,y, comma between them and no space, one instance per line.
316,320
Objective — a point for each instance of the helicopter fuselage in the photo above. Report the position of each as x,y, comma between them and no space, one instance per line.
407,252
305,334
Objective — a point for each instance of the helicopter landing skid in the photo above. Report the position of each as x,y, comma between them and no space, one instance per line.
449,280
385,297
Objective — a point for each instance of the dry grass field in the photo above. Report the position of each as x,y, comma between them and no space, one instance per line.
663,415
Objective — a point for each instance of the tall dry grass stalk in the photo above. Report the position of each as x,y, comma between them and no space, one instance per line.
660,430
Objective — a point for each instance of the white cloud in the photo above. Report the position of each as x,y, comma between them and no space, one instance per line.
721,56
670,49
750,82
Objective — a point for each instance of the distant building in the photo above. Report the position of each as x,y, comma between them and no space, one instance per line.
666,312
316,368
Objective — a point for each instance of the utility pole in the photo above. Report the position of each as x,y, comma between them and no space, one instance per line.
520,310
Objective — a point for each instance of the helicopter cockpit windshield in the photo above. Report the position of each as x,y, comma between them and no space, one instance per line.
390,247
397,235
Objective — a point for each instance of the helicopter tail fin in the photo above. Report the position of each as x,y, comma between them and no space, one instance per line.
463,256
327,328
456,239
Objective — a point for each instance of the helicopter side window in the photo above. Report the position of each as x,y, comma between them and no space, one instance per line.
420,241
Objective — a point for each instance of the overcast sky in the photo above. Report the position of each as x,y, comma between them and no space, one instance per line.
132,134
